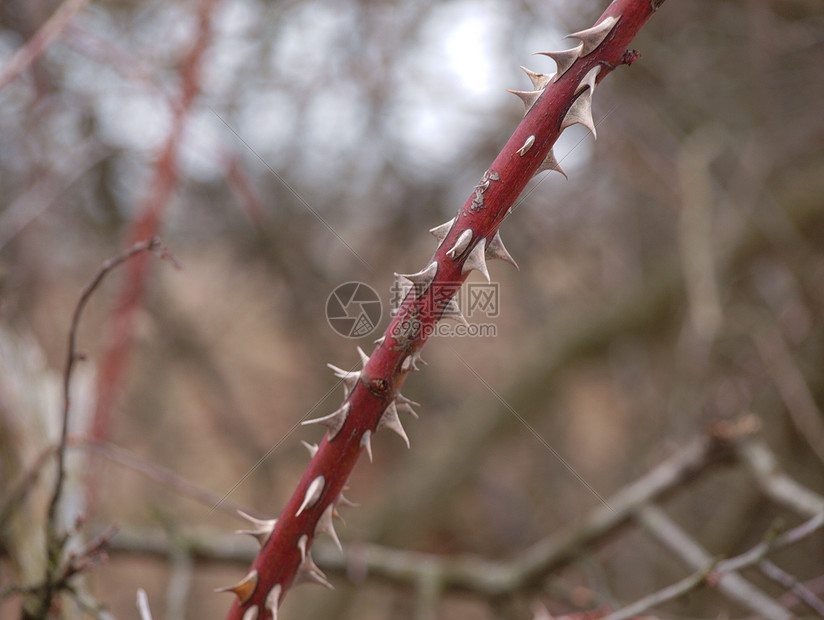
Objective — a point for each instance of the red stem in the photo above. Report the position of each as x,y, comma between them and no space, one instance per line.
280,559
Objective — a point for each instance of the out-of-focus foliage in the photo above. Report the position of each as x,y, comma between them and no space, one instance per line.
326,139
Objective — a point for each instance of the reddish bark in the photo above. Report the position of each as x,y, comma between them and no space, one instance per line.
284,556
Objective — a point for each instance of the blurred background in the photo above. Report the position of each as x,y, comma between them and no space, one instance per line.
283,148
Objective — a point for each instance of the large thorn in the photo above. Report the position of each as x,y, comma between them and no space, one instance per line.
366,443
477,259
440,232
422,279
349,379
312,494
496,249
550,163
261,530
390,420
563,59
539,80
529,97
309,572
325,526
461,244
244,589
580,112
334,421
251,613
593,37
272,600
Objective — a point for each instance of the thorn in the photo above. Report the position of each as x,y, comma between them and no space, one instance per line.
308,571
244,588
272,600
262,527
364,358
406,364
416,357
529,97
251,613
406,401
390,420
349,379
580,112
477,259
334,421
366,443
563,59
326,526
527,145
440,232
496,249
461,244
589,80
342,501
593,37
302,541
453,311
550,163
380,340
312,447
312,495
539,80
421,279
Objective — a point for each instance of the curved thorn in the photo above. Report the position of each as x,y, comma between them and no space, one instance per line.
440,232
593,37
308,571
477,259
348,379
364,358
326,526
422,279
527,145
461,244
334,421
312,494
262,527
580,113
589,80
550,163
495,249
302,542
529,97
366,443
390,420
539,80
244,589
272,600
563,59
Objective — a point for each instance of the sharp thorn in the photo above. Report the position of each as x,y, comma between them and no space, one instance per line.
251,613
302,542
312,494
326,526
563,59
390,420
539,80
364,358
380,340
334,421
311,447
529,97
526,146
422,279
495,249
593,37
580,112
262,527
589,80
343,501
453,311
550,163
244,589
366,443
348,379
440,232
477,259
461,244
308,571
272,600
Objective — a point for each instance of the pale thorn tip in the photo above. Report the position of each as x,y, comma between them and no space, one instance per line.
593,37
334,421
311,447
251,613
529,97
302,542
308,571
422,279
453,311
244,589
407,401
406,364
539,80
588,80
326,526
366,443
580,112
526,146
348,379
380,340
495,249
263,528
390,420
563,59
477,260
416,358
272,600
550,163
312,494
364,358
441,231
343,501
461,244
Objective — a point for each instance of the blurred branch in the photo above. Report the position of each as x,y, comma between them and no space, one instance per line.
35,46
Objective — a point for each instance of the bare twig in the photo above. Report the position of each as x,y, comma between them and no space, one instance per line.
35,46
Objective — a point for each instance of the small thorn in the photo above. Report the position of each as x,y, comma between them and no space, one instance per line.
527,145
262,527
529,97
251,613
406,364
539,80
477,260
326,526
593,37
302,542
311,447
308,571
244,589
496,249
364,358
342,501
380,340
272,600
421,279
312,495
550,163
366,443
440,232
334,421
416,359
390,420
563,59
461,244
407,401
349,379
